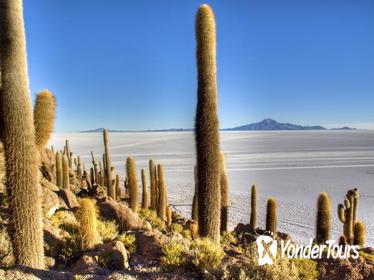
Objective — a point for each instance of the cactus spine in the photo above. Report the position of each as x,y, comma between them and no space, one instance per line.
145,195
195,210
207,126
87,218
359,234
323,218
347,213
108,166
162,200
152,176
44,116
253,208
59,173
132,184
271,215
65,173
18,139
224,194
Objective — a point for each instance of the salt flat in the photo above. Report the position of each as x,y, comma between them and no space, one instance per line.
292,166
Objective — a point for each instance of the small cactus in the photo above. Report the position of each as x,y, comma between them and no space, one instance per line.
169,216
359,234
253,208
87,218
65,173
132,184
224,194
44,116
59,172
162,202
145,194
118,188
153,179
323,218
271,215
108,166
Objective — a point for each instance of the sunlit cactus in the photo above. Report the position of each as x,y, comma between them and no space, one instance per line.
65,173
323,224
253,207
359,234
18,139
132,184
87,218
347,214
118,188
271,215
44,116
169,216
207,126
59,172
108,166
145,194
162,199
153,179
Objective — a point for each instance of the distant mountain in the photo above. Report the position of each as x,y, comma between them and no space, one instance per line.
269,124
266,124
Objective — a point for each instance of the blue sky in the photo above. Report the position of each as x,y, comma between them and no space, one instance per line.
131,64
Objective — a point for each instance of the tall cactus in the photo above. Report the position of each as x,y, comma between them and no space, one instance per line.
44,116
253,208
18,138
195,210
347,213
162,202
65,173
87,218
132,184
207,126
108,166
59,172
271,215
323,224
145,194
224,194
118,188
152,177
359,234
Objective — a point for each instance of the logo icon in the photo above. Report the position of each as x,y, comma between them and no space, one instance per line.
266,248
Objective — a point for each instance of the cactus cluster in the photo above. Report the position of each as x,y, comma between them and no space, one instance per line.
347,214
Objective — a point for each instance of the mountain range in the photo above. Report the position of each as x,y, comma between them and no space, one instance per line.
266,124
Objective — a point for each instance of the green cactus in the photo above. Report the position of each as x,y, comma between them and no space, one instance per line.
207,126
108,166
359,234
195,211
65,173
152,176
44,116
18,139
347,214
132,184
162,200
253,208
87,218
145,194
224,194
271,215
59,173
323,218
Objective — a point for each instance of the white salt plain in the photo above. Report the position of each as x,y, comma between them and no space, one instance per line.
292,166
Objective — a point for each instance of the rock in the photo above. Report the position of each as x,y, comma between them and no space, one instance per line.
115,255
67,199
49,185
147,226
49,262
111,256
126,218
52,240
87,264
149,243
50,202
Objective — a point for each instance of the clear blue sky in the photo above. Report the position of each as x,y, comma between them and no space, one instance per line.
131,64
